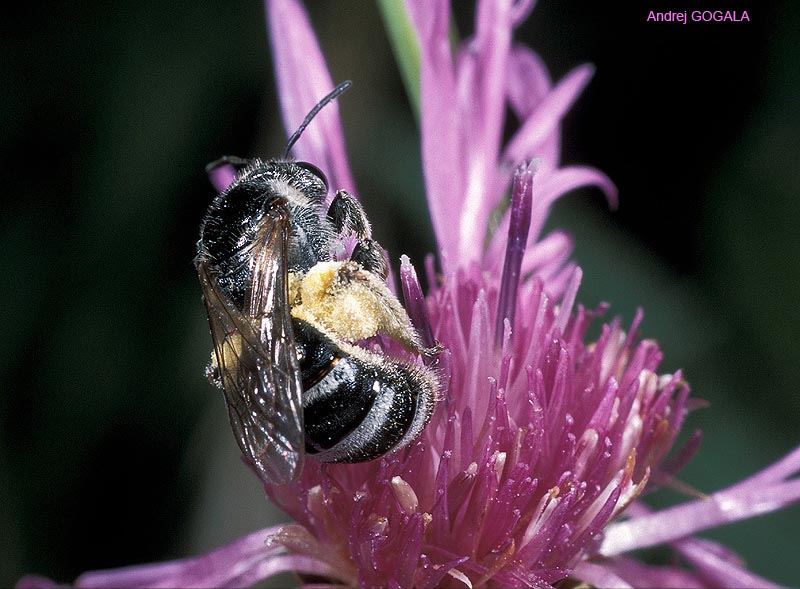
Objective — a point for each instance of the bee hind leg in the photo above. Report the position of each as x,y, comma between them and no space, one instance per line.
371,257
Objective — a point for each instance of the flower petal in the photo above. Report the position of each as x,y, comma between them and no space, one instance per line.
521,11
718,566
222,176
440,127
528,81
552,252
597,575
528,84
544,120
781,470
558,183
683,520
414,301
481,83
241,563
645,576
303,79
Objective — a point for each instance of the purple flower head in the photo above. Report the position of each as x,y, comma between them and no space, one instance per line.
532,469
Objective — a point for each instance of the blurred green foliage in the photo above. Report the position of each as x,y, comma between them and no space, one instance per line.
115,450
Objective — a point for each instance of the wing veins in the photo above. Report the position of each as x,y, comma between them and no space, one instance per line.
256,356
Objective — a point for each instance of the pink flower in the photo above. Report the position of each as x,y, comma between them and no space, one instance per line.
533,467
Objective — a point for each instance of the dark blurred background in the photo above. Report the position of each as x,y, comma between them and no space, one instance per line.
115,450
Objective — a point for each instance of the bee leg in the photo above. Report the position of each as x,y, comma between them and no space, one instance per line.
347,216
371,257
354,287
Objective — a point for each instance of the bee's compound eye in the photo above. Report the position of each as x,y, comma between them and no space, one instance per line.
316,171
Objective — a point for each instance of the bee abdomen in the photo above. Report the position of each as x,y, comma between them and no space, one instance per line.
362,410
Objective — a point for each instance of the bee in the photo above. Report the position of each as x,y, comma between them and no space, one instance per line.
286,318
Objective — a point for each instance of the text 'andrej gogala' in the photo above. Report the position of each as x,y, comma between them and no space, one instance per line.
698,16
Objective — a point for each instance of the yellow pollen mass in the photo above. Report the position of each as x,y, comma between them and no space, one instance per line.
350,311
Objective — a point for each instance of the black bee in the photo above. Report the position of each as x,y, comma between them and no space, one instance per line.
285,318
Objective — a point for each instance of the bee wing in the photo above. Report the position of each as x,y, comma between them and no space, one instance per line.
257,358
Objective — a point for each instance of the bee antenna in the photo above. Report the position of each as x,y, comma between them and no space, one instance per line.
310,116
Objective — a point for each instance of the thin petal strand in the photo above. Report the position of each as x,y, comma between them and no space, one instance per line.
597,575
689,518
414,301
442,151
241,563
542,122
717,568
222,176
303,79
481,82
645,576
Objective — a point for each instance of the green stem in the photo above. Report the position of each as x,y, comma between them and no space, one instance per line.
403,38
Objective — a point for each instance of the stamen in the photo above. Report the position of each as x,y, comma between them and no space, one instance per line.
519,224
405,495
377,524
459,576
